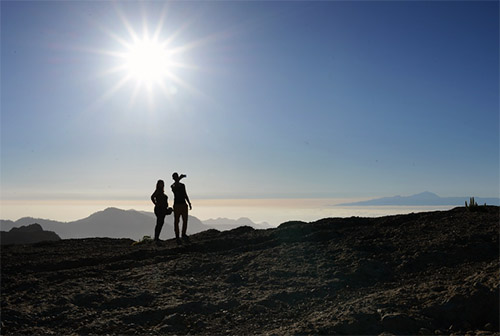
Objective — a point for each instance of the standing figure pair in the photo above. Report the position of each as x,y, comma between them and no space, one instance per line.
160,201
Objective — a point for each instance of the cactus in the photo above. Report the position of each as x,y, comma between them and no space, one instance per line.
472,203
473,206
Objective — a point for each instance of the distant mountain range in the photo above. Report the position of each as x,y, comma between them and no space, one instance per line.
118,223
422,199
27,235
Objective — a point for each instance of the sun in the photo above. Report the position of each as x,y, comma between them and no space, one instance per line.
147,60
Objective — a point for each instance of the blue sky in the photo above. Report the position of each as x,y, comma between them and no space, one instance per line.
267,99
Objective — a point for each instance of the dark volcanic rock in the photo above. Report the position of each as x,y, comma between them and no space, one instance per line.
424,273
28,234
400,324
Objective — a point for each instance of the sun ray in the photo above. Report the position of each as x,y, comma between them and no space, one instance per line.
116,37
108,32
161,22
178,32
108,94
126,23
198,43
145,26
113,70
115,88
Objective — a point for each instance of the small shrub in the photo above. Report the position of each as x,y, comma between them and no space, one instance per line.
144,240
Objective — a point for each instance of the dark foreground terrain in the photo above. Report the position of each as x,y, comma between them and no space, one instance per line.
424,273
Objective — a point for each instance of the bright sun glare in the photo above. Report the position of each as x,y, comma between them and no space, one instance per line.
147,61
151,61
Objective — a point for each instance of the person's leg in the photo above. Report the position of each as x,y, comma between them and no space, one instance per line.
184,220
159,224
177,215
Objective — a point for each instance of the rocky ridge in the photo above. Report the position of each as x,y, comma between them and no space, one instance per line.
424,273
27,234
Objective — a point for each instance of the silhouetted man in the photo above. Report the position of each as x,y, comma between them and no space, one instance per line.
180,206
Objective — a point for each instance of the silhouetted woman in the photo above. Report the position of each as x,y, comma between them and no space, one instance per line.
160,201
180,206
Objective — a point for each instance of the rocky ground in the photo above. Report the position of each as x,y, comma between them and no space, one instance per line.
424,273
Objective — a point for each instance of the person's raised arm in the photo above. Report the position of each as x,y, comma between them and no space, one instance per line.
187,198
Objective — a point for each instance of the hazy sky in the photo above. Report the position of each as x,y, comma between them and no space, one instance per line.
259,100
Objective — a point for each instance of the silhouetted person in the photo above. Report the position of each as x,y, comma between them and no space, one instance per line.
160,201
180,206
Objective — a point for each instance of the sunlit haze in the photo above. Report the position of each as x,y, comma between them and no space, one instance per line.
254,101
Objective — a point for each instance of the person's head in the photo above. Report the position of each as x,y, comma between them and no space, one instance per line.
160,185
177,178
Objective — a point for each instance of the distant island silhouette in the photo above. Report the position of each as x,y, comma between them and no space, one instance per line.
422,199
223,224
